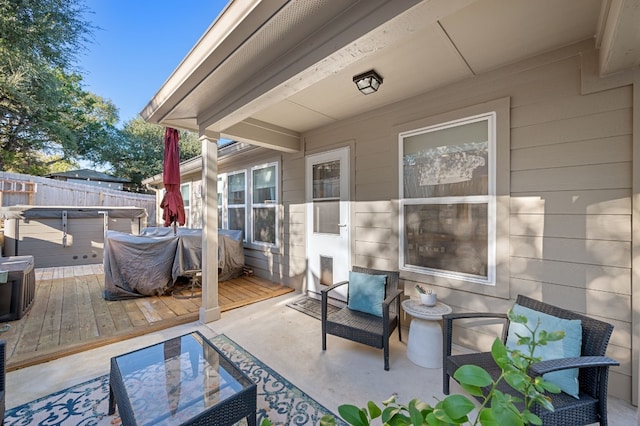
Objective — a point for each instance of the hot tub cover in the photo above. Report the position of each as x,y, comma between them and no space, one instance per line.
41,212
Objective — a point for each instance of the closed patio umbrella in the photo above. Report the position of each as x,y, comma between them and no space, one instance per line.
172,202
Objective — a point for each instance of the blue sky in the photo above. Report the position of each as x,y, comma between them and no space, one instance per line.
138,45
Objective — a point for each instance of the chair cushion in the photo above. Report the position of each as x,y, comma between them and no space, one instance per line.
570,346
366,292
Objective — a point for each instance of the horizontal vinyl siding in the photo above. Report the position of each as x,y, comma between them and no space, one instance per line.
594,226
293,264
374,235
570,210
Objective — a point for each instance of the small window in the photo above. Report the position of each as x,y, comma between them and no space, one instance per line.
236,201
264,204
220,201
185,191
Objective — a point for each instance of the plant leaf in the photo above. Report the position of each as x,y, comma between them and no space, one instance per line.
473,375
326,420
353,415
530,418
516,380
503,410
416,415
513,317
390,412
547,386
374,410
499,353
457,406
486,418
473,390
390,400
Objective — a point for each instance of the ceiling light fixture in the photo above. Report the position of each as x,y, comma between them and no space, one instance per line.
368,82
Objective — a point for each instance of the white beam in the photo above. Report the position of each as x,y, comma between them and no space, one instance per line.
256,132
618,36
210,309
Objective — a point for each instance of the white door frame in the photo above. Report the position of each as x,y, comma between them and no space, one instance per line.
333,249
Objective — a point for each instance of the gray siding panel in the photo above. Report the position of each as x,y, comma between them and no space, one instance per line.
616,149
592,176
604,201
597,227
594,126
595,252
580,275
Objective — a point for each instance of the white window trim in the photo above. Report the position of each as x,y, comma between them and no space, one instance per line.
225,199
222,211
489,199
275,205
187,209
249,204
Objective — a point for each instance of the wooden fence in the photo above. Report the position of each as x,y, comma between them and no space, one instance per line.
18,189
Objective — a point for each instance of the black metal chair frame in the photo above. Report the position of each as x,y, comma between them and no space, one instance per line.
593,366
362,327
2,379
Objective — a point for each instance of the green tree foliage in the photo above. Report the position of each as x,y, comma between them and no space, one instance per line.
137,151
43,107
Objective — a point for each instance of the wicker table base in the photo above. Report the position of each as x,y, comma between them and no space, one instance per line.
185,381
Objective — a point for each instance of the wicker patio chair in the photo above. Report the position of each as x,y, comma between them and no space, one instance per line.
2,380
362,327
593,365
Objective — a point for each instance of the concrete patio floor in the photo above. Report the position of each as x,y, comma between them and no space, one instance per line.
290,343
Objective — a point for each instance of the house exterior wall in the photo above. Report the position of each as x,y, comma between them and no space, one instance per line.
570,193
569,198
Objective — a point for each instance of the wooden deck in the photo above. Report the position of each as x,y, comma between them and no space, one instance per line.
69,314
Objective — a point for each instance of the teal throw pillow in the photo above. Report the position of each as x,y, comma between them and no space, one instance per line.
366,292
568,347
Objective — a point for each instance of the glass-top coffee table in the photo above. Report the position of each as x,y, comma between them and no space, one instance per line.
183,381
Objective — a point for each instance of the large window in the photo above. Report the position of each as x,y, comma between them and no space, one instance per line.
447,176
248,200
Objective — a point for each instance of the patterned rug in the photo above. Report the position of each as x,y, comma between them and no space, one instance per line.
86,404
310,306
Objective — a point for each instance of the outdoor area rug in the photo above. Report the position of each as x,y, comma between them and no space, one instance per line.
87,403
310,306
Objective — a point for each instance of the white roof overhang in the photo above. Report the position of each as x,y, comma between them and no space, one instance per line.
267,71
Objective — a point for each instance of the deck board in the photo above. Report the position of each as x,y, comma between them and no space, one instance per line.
69,313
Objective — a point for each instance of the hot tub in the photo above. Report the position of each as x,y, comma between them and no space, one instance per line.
65,235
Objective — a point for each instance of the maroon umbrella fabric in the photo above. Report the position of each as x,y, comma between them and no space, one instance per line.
172,202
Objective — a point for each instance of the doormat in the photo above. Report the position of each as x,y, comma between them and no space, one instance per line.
278,400
312,307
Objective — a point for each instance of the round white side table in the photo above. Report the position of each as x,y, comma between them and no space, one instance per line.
425,332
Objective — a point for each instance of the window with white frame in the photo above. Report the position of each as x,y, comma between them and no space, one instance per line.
220,202
248,200
447,187
236,201
264,204
185,191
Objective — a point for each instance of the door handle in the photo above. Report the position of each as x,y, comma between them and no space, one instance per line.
344,225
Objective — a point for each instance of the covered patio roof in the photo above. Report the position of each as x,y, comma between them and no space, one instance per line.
265,72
